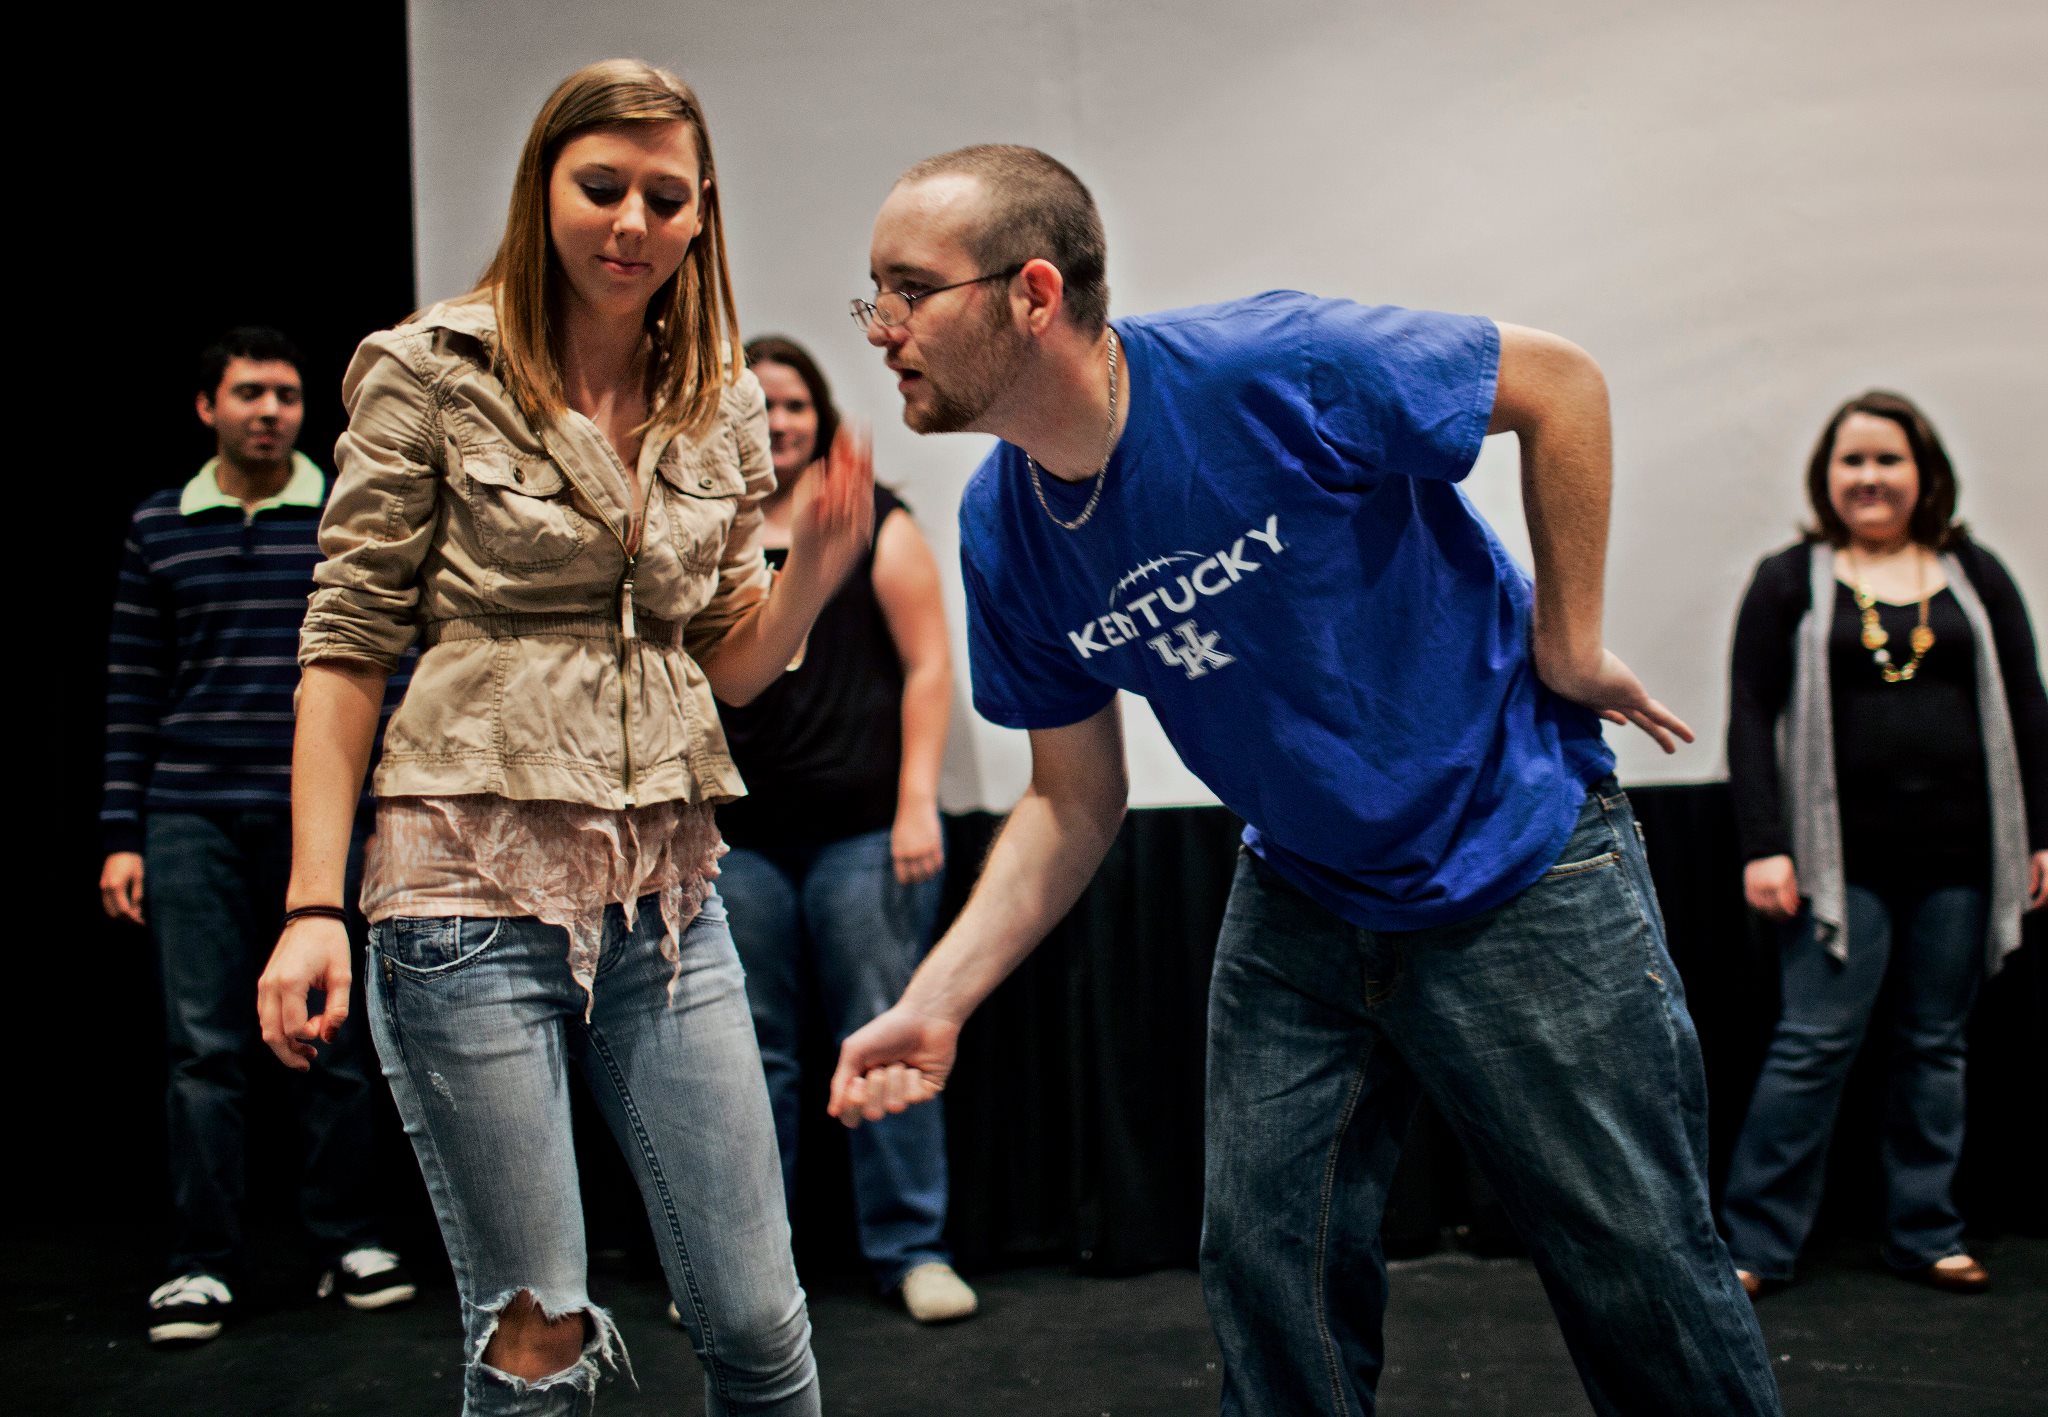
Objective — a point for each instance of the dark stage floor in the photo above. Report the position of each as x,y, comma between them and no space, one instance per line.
1464,1336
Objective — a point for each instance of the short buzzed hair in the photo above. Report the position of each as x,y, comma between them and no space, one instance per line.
1037,208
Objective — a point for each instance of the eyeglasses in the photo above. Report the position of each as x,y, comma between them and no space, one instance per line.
891,308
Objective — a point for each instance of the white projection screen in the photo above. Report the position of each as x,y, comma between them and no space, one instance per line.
1746,211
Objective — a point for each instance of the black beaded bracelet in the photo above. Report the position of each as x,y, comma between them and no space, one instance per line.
325,912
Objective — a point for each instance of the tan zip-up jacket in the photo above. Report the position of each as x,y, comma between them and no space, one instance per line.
552,665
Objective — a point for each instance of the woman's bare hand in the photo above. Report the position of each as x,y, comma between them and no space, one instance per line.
312,953
1772,887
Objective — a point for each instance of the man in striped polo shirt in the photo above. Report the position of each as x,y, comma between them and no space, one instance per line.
202,667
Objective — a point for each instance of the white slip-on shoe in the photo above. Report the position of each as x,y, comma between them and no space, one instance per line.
934,1294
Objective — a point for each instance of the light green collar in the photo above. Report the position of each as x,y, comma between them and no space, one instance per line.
304,488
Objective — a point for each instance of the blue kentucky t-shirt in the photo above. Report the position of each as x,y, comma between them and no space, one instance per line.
1282,564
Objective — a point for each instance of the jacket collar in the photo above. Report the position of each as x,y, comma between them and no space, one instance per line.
306,487
476,318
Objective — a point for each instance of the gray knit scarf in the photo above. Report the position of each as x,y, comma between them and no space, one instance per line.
1806,764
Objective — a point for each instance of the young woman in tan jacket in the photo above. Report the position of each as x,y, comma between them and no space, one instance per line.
552,486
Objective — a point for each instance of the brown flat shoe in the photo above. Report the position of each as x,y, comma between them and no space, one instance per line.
1756,1286
1967,1278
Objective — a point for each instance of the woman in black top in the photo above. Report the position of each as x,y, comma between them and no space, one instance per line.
833,881
1888,751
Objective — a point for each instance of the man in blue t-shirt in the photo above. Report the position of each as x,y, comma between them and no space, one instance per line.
1248,513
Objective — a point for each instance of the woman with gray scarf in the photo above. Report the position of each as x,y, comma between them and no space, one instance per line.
1888,751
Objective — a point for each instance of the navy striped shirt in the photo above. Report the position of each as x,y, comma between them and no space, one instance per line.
202,657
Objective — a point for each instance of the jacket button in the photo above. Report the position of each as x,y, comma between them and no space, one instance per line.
705,483
519,474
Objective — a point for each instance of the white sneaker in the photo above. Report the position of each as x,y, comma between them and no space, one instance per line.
934,1294
188,1309
369,1278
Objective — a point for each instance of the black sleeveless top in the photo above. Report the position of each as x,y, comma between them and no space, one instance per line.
821,748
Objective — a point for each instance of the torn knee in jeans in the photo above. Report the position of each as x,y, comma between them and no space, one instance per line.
531,1339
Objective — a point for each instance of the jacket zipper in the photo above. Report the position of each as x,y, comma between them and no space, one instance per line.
626,638
627,631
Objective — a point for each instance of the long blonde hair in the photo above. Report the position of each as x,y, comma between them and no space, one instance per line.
691,319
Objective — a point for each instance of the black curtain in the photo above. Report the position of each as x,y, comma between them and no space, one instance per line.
251,173
1100,1146
1075,1114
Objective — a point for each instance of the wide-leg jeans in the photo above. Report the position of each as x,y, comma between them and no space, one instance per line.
1934,942
478,1023
1552,1034
836,918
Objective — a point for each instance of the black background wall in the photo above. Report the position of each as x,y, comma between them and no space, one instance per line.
217,170
273,186
1075,1119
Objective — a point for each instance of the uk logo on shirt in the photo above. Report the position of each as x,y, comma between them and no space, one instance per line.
1151,603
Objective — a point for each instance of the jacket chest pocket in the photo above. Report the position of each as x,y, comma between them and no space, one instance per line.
520,505
700,494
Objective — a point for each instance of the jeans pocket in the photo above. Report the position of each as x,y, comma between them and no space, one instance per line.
1576,868
428,947
1593,844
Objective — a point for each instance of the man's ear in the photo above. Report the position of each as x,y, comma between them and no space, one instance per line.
204,403
1045,292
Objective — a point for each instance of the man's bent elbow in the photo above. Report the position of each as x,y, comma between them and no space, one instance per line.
1543,375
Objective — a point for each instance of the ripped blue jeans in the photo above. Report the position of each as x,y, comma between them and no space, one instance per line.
477,1022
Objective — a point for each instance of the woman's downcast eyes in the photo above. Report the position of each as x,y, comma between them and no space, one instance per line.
1882,459
604,195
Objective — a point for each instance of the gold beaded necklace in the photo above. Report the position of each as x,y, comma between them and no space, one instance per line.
1874,636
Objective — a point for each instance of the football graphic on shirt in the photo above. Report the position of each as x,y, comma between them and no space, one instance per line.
1146,571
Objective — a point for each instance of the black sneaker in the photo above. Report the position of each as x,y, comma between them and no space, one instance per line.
369,1278
188,1309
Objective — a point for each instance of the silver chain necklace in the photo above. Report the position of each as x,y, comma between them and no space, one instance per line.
1108,446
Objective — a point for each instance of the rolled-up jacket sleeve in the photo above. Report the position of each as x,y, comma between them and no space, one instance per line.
743,574
380,515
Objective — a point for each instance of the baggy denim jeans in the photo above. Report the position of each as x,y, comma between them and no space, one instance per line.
215,884
1935,942
1552,1034
837,914
478,1022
